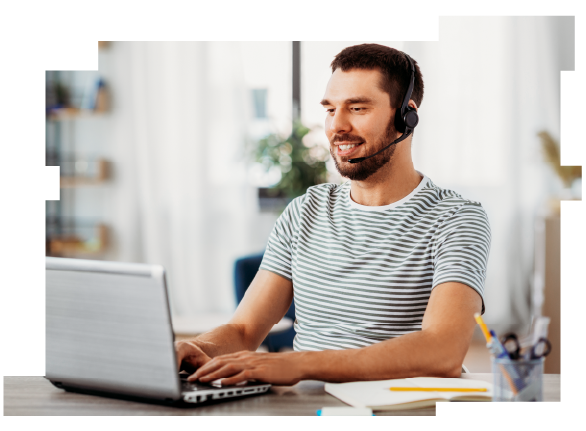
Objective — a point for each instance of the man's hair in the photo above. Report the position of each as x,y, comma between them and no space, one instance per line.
393,65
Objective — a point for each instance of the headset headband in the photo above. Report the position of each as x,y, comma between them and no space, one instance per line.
405,104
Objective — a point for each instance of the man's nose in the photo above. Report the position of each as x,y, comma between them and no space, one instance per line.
339,123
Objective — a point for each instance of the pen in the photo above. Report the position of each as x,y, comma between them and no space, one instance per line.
492,342
497,349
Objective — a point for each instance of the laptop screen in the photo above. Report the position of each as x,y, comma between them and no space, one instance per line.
108,328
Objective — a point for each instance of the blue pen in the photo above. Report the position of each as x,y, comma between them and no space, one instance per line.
496,347
499,351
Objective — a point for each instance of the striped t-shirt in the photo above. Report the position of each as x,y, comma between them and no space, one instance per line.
364,274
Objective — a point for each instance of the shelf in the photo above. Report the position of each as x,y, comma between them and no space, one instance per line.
102,173
74,102
72,245
72,182
64,114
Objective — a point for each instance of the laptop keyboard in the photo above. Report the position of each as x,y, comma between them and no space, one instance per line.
194,386
191,394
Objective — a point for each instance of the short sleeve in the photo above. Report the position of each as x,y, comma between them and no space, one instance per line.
462,247
278,255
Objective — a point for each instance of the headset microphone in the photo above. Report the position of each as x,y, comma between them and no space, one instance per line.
406,117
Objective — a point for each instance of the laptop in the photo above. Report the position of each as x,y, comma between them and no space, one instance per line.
109,332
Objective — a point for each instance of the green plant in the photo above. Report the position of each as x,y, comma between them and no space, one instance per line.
551,150
302,165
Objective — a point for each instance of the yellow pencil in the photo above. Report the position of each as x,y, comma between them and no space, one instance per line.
400,388
488,337
483,327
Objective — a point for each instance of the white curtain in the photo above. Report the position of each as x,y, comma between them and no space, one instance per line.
180,196
490,85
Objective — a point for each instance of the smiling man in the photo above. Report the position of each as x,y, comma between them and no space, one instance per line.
387,269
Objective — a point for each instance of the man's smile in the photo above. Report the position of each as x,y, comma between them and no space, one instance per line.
347,148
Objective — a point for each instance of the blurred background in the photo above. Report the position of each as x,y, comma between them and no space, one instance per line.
185,153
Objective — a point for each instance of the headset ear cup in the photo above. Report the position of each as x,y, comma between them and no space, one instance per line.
411,119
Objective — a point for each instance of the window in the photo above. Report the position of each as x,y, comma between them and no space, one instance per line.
259,102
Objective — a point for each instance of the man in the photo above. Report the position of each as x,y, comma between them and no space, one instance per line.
387,270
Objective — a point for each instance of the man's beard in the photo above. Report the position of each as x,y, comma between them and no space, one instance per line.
362,170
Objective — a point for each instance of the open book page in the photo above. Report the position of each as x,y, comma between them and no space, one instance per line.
378,396
438,382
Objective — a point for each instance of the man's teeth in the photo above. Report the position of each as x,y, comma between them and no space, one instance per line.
347,147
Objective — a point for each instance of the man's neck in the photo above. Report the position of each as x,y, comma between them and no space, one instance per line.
390,184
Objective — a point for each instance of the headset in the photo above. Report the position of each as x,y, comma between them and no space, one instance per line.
406,117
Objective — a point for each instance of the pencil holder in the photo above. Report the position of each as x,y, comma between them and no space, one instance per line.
519,380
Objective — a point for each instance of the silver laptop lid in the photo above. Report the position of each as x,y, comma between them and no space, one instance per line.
108,328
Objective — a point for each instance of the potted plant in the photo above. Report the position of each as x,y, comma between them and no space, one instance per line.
302,164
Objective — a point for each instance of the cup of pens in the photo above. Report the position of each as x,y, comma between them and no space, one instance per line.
517,380
517,365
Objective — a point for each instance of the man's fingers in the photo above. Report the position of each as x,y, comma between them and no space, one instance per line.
190,355
209,366
182,350
227,370
216,373
199,360
238,378
191,363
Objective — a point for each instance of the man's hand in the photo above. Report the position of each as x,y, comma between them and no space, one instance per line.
190,355
276,368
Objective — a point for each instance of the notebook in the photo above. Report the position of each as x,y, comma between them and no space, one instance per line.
377,395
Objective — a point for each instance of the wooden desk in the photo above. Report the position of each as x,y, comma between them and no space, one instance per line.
33,396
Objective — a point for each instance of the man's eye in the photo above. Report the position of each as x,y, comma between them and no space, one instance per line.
358,109
330,111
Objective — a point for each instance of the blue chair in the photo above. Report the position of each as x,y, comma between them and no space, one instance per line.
245,269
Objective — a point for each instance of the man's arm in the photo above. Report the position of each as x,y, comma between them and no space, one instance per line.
437,350
265,302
